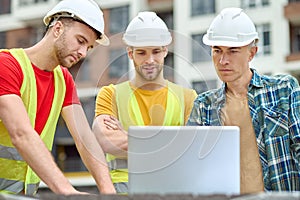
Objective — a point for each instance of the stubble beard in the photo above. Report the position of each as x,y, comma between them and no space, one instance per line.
157,71
61,52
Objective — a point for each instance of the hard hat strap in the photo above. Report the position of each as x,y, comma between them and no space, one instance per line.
57,16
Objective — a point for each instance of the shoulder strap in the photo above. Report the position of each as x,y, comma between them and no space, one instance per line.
175,105
128,107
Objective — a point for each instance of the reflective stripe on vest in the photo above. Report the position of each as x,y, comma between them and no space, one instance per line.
129,114
15,174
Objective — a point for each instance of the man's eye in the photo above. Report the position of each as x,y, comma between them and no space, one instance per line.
234,51
80,41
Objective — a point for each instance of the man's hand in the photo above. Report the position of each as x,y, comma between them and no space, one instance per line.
112,123
111,135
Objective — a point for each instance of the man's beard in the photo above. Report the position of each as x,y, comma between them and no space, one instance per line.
156,71
62,51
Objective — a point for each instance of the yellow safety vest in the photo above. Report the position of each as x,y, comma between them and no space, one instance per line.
129,114
15,175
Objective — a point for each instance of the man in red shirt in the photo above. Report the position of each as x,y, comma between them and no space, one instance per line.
35,88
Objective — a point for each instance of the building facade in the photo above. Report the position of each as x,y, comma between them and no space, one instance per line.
277,22
188,62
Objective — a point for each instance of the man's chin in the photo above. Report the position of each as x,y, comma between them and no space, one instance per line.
151,78
69,64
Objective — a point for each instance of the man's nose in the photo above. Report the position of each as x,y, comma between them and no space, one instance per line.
82,51
150,59
224,59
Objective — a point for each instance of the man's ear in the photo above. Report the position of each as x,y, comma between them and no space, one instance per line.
57,28
130,52
253,51
165,51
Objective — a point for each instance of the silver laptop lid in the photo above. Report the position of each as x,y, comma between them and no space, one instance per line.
184,159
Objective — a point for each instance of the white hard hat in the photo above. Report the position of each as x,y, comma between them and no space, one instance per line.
147,29
86,11
232,28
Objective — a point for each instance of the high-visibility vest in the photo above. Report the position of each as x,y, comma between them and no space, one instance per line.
129,114
15,175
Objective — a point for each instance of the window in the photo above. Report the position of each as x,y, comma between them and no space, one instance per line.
167,17
37,33
203,86
264,2
118,65
84,71
81,70
169,66
254,3
30,2
295,43
264,34
202,7
200,51
2,40
67,156
5,7
118,19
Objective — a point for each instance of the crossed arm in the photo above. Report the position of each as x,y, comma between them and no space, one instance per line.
111,135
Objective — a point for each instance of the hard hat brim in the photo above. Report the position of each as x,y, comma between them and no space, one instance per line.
147,37
226,43
104,40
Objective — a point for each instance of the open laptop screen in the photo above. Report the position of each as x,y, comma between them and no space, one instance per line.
184,159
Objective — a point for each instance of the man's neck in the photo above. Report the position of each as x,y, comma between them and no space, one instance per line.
149,85
239,88
40,55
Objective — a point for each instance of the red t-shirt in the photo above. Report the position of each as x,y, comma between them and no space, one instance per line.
11,78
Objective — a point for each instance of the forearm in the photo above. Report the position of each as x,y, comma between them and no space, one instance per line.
30,146
41,161
90,151
113,141
97,166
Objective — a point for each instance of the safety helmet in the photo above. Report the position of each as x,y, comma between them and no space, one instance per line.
147,29
232,28
86,11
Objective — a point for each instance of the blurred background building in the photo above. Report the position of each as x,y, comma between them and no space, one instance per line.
188,62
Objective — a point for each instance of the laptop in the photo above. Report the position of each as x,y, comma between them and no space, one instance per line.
200,160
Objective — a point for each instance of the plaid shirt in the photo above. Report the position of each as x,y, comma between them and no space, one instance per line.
274,104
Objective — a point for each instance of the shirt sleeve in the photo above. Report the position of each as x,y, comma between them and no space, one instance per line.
194,118
71,96
11,75
106,101
189,96
294,118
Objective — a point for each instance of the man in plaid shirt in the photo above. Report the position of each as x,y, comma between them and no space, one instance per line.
266,109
